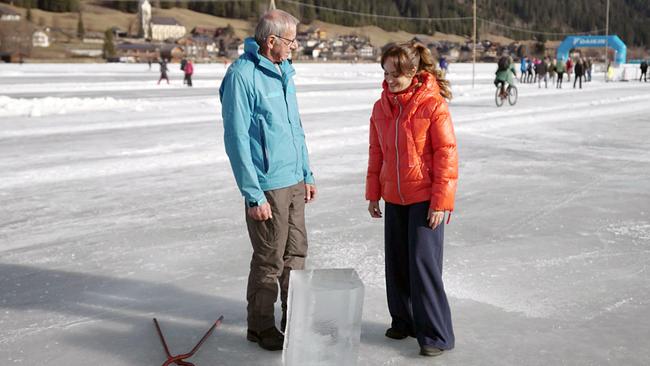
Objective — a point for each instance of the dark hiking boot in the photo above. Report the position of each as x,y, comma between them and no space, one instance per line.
430,351
395,333
270,339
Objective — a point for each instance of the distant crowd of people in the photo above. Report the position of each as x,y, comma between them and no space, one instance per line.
538,70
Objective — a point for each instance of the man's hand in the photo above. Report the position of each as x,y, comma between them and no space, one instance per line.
260,213
310,192
374,210
435,218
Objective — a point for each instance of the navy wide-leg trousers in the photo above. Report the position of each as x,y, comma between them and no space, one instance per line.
416,296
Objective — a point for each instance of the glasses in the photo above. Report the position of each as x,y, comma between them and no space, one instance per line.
291,41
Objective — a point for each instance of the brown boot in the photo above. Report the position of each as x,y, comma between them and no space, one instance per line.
270,339
430,351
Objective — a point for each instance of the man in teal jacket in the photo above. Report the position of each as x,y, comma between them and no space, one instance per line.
266,146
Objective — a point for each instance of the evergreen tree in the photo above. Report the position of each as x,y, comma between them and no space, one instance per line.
308,13
29,14
109,48
80,27
628,18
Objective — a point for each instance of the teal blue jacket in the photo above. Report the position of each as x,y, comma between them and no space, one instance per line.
263,133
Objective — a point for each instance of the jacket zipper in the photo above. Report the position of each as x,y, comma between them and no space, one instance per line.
293,137
399,189
263,143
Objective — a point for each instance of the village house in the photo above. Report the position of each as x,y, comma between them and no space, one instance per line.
93,38
40,39
137,52
8,14
163,28
199,46
172,52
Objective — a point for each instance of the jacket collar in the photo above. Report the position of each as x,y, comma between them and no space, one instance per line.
423,85
252,49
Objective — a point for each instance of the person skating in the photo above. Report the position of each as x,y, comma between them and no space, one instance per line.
522,69
579,73
529,70
559,68
163,71
444,65
188,69
644,71
182,66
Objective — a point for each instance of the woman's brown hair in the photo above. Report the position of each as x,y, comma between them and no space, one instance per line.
412,56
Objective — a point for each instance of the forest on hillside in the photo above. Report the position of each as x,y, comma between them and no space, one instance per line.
518,19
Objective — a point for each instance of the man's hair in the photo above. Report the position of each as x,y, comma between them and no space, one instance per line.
276,22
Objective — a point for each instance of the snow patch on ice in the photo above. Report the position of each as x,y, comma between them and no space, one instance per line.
634,230
39,107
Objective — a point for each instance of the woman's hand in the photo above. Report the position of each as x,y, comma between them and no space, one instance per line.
374,210
435,218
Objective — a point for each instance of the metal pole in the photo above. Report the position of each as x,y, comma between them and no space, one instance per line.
272,5
607,40
474,47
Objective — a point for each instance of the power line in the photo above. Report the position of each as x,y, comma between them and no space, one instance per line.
519,29
170,1
392,17
532,31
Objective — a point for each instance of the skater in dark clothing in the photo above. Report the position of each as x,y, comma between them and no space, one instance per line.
189,71
559,69
183,63
644,71
444,65
163,71
579,73
415,203
529,71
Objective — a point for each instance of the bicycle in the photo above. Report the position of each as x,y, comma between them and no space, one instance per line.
512,95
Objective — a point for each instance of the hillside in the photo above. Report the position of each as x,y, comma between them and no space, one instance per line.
514,19
99,18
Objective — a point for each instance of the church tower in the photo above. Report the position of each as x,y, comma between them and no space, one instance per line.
144,19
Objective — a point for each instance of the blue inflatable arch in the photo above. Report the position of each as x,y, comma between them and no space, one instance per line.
613,42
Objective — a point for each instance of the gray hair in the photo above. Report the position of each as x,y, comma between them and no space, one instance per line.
274,22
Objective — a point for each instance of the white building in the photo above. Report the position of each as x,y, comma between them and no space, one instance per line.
8,15
40,39
144,19
163,28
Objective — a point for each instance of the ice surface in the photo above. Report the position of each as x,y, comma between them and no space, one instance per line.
324,317
109,217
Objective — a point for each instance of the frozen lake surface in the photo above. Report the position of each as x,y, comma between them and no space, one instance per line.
117,205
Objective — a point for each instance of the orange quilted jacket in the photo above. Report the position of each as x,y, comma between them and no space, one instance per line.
413,155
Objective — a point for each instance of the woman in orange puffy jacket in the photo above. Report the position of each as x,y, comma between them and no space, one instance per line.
413,166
